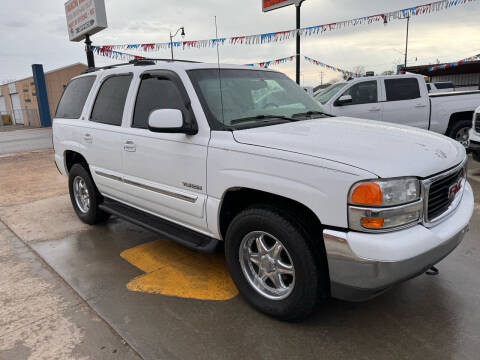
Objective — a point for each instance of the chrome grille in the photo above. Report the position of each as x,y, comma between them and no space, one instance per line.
439,199
477,123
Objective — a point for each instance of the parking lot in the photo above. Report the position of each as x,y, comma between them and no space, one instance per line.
168,302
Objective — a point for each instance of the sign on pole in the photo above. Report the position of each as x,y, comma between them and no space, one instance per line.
269,5
85,17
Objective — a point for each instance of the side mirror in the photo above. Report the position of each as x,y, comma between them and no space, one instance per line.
169,121
344,100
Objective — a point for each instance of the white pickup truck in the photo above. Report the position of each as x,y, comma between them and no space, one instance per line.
308,205
474,141
403,99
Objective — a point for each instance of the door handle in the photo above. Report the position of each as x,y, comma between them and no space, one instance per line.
374,109
88,138
129,146
420,105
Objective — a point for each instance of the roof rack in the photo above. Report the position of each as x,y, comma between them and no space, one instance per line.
136,62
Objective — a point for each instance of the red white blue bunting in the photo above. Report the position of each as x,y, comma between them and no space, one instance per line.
333,68
306,32
454,64
113,54
266,64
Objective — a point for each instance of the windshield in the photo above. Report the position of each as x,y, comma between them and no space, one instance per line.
255,97
325,95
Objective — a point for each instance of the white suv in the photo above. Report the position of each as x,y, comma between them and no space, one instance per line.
308,205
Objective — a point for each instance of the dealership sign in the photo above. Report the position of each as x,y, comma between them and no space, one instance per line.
269,5
85,17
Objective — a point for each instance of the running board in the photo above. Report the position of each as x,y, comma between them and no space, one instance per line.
175,232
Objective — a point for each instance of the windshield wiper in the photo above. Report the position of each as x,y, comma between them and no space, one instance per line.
311,113
262,117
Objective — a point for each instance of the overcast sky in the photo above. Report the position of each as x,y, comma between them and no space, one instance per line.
36,32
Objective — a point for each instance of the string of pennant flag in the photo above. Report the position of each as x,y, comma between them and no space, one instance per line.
306,32
454,64
310,60
118,55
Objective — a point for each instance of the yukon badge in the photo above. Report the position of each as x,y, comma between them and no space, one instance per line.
192,186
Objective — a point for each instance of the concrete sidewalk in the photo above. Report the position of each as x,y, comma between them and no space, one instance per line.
41,317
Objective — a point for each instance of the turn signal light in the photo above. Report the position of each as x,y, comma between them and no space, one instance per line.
372,223
367,194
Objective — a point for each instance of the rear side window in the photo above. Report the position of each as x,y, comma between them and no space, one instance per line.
110,102
74,97
402,89
155,93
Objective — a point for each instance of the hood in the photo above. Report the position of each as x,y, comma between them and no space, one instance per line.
387,150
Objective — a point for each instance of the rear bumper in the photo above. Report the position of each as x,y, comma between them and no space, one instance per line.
362,266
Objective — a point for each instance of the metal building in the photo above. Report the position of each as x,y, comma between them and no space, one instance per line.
464,76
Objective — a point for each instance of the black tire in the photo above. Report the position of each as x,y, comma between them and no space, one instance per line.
308,285
94,215
454,131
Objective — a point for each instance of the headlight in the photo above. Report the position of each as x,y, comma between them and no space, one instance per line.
385,204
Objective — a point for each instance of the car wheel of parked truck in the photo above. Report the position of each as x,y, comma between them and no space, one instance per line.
272,260
460,131
85,196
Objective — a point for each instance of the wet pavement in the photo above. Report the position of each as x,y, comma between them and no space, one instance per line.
168,302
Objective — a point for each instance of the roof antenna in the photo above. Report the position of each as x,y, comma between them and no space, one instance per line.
219,71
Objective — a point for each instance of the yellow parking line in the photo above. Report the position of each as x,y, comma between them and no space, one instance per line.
173,270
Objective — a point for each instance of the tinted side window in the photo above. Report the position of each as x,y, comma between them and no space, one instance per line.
74,97
363,93
110,102
155,93
402,89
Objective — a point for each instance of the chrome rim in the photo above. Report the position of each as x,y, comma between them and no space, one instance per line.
463,135
81,194
267,265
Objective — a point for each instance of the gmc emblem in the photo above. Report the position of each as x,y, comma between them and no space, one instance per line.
454,189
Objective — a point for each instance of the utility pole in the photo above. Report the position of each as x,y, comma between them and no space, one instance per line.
298,7
89,51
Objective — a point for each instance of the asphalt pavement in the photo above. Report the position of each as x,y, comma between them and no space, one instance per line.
15,139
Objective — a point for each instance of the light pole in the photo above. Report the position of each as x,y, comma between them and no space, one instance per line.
385,21
406,43
172,36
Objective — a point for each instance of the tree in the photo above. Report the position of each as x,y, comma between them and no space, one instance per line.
359,69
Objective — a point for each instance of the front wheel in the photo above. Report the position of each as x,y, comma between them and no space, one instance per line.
273,264
85,196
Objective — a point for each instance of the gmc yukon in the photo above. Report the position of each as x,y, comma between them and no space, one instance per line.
307,205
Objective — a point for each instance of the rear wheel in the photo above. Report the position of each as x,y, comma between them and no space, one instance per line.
273,263
85,196
460,131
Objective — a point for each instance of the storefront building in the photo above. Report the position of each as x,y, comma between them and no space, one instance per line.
19,102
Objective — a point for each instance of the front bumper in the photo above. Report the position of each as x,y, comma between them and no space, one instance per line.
362,265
